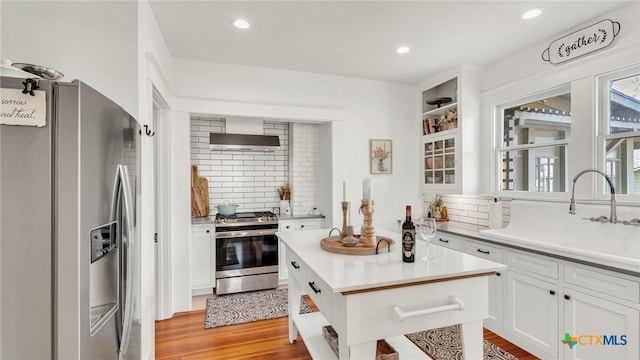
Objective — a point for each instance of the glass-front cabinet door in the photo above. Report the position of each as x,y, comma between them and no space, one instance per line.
439,162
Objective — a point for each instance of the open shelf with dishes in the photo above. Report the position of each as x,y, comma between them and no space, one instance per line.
440,108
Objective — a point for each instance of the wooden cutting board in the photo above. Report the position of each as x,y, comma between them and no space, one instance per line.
199,194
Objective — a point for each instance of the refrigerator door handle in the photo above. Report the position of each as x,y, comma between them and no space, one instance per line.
122,196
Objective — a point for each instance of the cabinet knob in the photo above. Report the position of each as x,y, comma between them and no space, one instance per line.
552,292
498,274
301,226
207,231
567,297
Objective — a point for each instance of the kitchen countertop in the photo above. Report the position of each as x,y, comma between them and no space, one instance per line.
569,253
356,272
203,220
299,217
212,218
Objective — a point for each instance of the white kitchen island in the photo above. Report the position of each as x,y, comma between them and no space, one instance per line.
371,297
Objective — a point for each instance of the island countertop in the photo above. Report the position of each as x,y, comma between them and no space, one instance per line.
344,273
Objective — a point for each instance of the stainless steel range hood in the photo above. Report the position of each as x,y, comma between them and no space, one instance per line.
243,142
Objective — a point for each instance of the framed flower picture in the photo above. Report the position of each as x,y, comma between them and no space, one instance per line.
380,154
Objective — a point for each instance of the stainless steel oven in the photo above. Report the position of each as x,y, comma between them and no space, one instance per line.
246,252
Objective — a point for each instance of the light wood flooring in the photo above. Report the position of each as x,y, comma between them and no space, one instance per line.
184,337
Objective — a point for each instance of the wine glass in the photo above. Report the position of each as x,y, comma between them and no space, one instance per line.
427,228
427,231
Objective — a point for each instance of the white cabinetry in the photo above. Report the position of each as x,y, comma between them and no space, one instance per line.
496,282
450,242
549,298
540,299
590,315
301,224
532,304
203,259
293,225
600,303
532,314
449,146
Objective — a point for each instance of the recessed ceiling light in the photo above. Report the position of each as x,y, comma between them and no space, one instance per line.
402,50
530,14
241,24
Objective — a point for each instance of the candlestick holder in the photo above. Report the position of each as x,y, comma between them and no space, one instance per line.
367,232
345,209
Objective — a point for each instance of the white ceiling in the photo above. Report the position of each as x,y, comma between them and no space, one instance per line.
359,38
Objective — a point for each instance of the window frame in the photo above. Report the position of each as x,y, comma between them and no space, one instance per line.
499,148
602,102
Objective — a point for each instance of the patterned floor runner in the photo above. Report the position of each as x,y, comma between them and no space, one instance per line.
247,307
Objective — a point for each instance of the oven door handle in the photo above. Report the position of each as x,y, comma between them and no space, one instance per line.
246,233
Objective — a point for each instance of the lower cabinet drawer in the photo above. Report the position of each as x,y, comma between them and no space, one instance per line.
602,282
318,290
297,268
532,264
449,242
435,304
484,251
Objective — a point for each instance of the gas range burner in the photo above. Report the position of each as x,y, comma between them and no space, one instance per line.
248,218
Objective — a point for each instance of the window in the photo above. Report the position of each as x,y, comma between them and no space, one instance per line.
545,172
535,137
620,129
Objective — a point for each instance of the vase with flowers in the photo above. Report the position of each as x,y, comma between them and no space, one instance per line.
448,120
437,208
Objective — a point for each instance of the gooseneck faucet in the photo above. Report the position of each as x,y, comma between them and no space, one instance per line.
572,207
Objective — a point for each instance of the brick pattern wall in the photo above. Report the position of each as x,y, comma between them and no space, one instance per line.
249,179
303,166
471,211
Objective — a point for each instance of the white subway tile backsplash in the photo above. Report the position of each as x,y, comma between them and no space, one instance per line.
478,215
245,169
469,211
471,207
238,176
252,179
243,179
475,201
304,157
222,168
457,212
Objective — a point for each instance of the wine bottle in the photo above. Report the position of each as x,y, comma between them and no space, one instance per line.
408,238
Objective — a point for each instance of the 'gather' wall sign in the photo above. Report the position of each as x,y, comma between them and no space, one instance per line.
592,38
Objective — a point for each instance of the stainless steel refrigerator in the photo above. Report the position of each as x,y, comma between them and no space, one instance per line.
69,246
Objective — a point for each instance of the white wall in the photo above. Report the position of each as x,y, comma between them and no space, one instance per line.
371,110
95,42
525,73
527,63
180,213
154,72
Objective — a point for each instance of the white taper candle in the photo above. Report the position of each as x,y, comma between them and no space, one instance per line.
344,191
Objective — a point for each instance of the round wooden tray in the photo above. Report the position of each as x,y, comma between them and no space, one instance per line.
334,244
